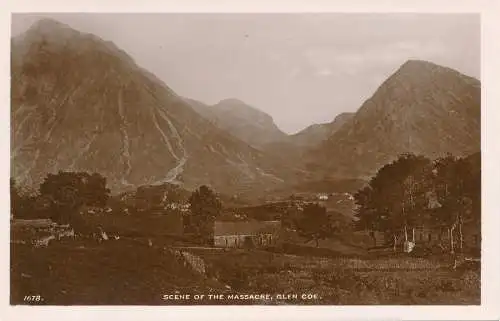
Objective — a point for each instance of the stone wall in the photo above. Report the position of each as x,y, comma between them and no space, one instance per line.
196,263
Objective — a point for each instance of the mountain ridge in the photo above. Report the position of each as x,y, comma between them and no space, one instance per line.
316,133
422,108
80,104
243,121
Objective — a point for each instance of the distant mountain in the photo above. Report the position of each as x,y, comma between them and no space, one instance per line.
422,108
317,133
258,128
241,120
80,103
295,149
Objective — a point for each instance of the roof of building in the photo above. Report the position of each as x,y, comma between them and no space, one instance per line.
32,222
246,227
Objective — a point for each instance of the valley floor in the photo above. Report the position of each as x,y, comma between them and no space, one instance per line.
126,271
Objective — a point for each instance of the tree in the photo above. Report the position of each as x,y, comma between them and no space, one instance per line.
205,208
25,205
457,182
68,191
315,224
394,199
370,216
412,191
415,189
151,197
472,188
15,198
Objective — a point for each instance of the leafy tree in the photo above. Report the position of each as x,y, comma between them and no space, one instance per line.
395,198
315,224
25,205
412,191
472,186
370,217
68,191
15,198
205,208
472,191
457,184
157,196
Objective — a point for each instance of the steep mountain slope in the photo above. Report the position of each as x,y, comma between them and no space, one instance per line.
80,103
422,108
241,120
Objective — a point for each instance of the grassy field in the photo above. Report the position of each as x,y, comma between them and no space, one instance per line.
131,270
137,225
128,271
111,273
347,281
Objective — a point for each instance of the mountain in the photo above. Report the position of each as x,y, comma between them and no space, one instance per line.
80,103
317,133
422,108
258,129
241,120
294,149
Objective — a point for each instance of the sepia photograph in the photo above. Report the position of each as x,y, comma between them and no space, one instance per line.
162,159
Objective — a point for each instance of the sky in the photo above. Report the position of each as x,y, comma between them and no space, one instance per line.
299,68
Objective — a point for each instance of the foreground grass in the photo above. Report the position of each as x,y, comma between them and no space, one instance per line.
125,271
348,281
89,273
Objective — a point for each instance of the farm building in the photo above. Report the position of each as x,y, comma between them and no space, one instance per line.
471,236
322,196
34,230
246,234
431,237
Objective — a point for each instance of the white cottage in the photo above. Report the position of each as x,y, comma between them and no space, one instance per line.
322,196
